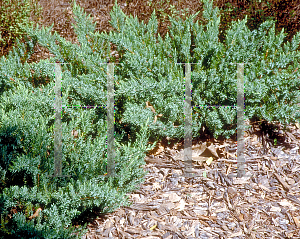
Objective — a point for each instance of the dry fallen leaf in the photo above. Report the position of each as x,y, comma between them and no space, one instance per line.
158,149
156,185
35,214
209,160
180,205
296,220
173,197
74,133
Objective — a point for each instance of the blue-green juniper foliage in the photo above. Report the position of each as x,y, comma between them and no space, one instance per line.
147,73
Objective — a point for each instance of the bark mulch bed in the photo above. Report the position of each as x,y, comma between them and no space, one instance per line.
263,204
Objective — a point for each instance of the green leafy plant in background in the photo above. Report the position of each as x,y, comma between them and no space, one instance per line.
258,12
162,6
14,14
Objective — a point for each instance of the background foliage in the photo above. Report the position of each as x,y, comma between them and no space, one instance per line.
285,13
13,15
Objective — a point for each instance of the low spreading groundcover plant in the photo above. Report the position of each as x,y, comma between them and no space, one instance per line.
146,76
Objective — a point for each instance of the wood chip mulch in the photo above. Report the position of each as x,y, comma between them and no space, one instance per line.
263,204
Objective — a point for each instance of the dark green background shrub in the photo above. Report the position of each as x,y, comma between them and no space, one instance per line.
14,14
